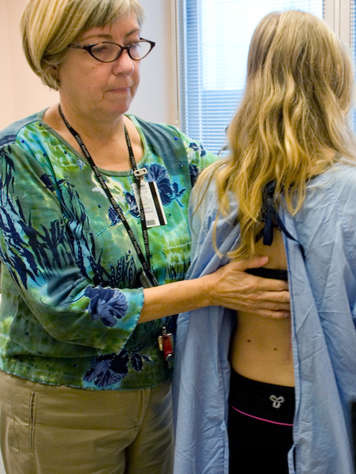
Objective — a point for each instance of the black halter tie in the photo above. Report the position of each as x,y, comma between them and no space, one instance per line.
270,217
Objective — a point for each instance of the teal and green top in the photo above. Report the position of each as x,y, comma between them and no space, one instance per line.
71,297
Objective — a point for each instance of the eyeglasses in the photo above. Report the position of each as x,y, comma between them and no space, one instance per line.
108,52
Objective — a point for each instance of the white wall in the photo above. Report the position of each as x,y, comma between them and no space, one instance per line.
156,98
22,93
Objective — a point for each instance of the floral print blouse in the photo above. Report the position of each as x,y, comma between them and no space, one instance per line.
71,297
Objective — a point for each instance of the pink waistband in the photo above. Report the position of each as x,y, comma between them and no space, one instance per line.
261,419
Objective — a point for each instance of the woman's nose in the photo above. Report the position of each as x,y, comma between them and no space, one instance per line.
123,64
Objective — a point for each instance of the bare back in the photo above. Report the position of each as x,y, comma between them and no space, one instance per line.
261,347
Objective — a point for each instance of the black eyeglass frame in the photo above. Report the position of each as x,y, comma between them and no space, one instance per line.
89,48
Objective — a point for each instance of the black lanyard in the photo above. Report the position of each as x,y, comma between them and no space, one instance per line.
148,278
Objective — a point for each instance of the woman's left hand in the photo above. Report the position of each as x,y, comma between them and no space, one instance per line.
230,286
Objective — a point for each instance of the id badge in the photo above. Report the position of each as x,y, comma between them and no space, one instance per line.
152,204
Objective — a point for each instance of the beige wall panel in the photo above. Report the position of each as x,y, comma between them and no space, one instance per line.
22,92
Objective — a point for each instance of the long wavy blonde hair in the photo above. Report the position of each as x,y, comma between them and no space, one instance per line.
292,123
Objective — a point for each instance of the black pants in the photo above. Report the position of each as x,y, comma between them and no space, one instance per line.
260,426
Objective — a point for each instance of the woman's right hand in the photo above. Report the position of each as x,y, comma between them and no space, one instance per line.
230,286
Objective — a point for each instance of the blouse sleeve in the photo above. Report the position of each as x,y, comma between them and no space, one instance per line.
39,246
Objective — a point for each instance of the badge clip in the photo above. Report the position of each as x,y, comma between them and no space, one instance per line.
139,173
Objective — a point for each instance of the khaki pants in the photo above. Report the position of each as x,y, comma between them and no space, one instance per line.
60,430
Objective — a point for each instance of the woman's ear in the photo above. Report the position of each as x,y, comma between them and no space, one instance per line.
52,75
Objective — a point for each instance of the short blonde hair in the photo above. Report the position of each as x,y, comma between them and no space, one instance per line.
292,123
49,26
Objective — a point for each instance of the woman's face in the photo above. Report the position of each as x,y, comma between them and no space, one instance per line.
93,88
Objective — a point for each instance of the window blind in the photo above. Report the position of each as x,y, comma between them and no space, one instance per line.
215,37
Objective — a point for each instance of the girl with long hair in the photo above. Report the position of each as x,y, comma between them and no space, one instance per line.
277,395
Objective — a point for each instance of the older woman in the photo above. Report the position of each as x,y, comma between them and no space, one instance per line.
94,241
286,190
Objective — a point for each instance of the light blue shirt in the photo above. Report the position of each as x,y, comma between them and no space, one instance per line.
323,310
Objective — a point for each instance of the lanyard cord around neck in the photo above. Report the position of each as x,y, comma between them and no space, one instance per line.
138,175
